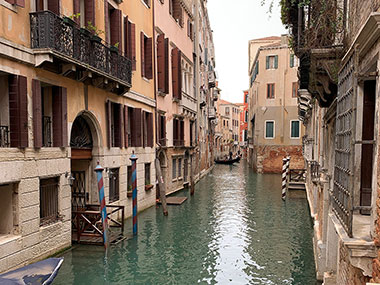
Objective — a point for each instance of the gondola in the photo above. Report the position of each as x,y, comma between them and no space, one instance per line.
227,161
42,272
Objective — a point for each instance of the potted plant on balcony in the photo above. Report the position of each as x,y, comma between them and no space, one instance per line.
148,186
70,20
129,191
115,48
95,32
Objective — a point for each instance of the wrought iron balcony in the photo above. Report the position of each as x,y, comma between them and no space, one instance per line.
4,136
77,53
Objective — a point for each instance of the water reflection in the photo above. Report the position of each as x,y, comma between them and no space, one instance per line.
235,230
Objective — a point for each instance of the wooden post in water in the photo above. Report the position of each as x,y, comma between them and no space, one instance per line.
192,186
162,186
133,158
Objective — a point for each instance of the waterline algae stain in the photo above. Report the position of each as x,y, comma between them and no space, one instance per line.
235,230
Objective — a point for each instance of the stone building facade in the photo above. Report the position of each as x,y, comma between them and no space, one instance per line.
274,130
338,104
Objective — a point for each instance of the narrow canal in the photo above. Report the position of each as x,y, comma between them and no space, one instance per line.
235,230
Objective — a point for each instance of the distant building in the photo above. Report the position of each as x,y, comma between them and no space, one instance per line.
228,124
243,123
274,129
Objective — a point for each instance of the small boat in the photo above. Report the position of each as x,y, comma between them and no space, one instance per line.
39,273
227,161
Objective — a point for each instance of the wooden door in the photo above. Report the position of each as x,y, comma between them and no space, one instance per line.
367,148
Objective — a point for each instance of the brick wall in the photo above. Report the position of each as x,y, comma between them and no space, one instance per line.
269,158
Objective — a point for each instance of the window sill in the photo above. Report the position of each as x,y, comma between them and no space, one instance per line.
162,94
6,238
146,79
146,6
8,6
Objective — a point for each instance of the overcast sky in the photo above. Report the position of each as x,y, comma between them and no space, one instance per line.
234,25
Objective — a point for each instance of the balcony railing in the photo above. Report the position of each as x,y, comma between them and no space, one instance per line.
4,136
78,46
211,113
178,142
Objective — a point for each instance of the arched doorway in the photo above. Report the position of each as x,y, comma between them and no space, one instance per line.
83,142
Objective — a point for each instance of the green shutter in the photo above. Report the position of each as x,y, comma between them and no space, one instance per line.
295,132
267,59
269,130
276,62
292,60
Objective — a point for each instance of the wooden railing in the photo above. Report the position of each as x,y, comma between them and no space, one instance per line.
87,224
297,175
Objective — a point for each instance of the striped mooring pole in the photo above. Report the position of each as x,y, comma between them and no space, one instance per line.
133,158
102,199
284,164
287,166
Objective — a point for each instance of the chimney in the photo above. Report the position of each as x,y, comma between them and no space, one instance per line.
284,39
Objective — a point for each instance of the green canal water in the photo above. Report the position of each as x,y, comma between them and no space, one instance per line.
234,230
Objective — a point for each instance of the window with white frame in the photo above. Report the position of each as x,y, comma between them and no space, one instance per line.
269,130
179,168
295,129
174,168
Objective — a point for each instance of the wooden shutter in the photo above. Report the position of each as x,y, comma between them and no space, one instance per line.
37,113
182,132
59,116
54,5
161,62
106,16
118,120
108,122
292,60
166,90
89,12
163,130
142,54
175,132
137,128
11,1
18,111
144,129
116,28
126,38
176,73
267,62
76,4
148,58
132,43
126,126
150,132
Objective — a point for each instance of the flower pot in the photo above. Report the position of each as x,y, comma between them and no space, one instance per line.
129,194
69,21
148,187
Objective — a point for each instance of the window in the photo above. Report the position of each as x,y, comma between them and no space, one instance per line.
147,174
41,5
175,9
148,133
48,200
270,91
294,89
192,143
146,56
227,110
114,27
292,60
134,127
178,132
49,115
174,168
129,173
246,117
295,129
114,184
13,121
246,98
85,10
269,130
179,167
9,209
114,113
190,30
272,62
